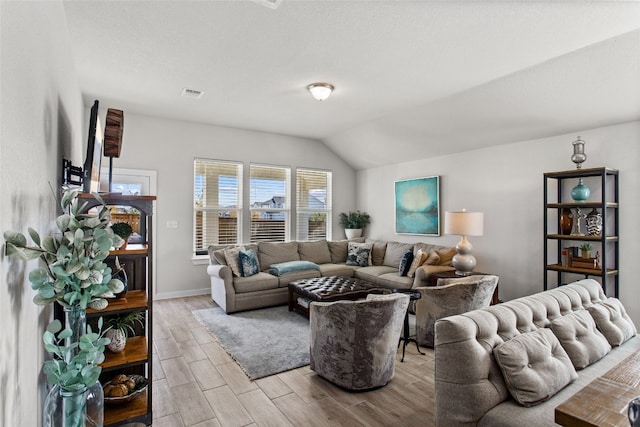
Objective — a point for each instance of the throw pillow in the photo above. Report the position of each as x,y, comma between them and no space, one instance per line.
405,263
249,263
433,258
418,259
579,337
446,256
359,254
613,321
233,259
534,366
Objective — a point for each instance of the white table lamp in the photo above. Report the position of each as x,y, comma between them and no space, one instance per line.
464,224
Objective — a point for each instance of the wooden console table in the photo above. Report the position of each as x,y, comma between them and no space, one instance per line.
603,402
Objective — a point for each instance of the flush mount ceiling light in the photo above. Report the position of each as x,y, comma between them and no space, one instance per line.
320,91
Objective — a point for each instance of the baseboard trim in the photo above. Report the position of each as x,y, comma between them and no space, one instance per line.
182,294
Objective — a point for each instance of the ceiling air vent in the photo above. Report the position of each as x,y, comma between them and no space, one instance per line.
191,93
272,4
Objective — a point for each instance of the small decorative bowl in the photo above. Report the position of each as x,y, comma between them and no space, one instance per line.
141,386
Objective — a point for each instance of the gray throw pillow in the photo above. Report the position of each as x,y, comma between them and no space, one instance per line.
359,254
534,366
613,321
232,255
579,337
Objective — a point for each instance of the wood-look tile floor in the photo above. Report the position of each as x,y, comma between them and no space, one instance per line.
196,383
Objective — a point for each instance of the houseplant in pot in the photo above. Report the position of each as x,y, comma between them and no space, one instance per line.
120,328
354,222
72,271
122,230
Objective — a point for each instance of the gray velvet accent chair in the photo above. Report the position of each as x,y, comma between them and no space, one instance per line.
450,296
354,343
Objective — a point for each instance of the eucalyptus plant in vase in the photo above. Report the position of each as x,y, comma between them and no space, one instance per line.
72,273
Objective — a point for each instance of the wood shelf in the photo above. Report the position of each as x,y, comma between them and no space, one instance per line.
587,271
613,205
132,249
134,353
585,238
136,410
134,300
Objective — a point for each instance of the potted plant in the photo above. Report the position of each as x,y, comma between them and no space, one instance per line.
354,222
120,328
122,230
586,250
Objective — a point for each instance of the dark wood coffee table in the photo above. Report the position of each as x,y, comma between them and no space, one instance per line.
603,402
327,289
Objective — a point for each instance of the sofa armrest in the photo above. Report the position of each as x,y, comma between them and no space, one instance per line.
424,272
222,290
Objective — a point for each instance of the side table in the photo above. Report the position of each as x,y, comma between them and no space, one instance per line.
433,281
406,336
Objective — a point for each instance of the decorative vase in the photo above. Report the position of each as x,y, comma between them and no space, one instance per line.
594,223
586,254
81,408
352,233
580,193
122,276
75,318
118,340
566,221
65,408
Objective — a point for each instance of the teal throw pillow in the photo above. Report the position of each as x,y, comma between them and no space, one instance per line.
405,263
249,263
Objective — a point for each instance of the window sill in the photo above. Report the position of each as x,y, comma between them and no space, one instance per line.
200,259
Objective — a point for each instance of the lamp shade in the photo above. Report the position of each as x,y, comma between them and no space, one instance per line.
320,91
464,223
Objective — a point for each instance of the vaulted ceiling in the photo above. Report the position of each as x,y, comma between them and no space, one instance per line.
413,79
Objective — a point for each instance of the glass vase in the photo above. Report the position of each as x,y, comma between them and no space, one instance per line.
65,408
75,318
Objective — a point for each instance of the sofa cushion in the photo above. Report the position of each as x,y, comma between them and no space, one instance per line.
534,366
405,263
359,254
377,251
579,337
395,251
276,252
331,269
394,281
418,259
249,263
232,256
446,256
317,252
339,251
371,273
257,282
613,321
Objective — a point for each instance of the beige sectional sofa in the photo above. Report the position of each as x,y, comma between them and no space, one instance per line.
474,387
232,292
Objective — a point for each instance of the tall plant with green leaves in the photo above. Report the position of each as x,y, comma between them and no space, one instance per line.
73,270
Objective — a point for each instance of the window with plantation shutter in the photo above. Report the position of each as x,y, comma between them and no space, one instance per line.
269,188
217,203
313,204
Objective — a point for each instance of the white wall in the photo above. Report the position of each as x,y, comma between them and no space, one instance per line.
506,183
41,117
170,146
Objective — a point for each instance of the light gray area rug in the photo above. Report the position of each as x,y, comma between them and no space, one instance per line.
263,342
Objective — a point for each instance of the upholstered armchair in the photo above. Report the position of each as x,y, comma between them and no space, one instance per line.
449,297
354,343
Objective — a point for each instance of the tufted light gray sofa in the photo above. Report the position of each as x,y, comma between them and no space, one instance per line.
470,386
233,293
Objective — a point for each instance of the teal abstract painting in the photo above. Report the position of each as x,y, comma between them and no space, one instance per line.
418,206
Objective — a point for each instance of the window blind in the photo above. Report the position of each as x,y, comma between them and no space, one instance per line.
313,204
217,203
269,188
